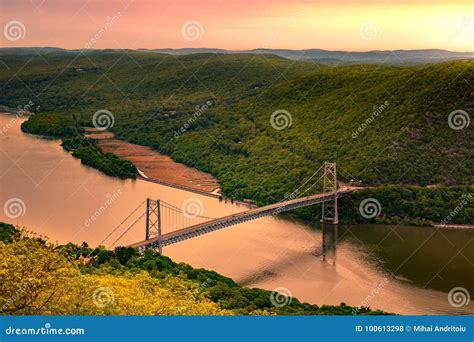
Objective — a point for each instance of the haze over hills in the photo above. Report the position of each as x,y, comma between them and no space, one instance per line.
390,57
395,57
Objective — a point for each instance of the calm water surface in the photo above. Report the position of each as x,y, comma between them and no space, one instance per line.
405,270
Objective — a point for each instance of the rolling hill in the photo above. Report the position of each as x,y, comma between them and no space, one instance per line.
386,57
384,125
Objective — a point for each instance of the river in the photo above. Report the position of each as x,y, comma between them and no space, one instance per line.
405,270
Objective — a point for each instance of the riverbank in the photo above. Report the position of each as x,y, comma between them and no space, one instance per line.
155,166
90,154
26,110
454,226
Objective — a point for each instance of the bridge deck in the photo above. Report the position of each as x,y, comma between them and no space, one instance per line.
229,220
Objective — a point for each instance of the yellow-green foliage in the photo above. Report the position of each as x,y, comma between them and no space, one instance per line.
38,279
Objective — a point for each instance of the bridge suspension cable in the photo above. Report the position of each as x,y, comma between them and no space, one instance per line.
298,194
314,174
181,210
117,227
121,223
128,229
167,224
174,218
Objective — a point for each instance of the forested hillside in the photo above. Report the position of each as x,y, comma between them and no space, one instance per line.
71,279
383,125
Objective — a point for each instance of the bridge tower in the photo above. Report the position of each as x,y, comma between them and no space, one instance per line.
153,221
330,212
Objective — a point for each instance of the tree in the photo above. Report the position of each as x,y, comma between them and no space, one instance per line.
37,278
33,276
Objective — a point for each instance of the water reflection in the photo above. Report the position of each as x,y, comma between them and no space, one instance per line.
432,258
329,242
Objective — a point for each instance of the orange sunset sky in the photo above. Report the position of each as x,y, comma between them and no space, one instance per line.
356,25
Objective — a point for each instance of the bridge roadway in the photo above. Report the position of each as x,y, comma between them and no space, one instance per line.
230,220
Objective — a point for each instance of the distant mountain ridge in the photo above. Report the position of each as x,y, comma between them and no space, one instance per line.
392,57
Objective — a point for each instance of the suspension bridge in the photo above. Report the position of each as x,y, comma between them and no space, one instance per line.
166,224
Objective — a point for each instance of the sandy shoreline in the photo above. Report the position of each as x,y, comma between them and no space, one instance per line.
154,165
454,226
